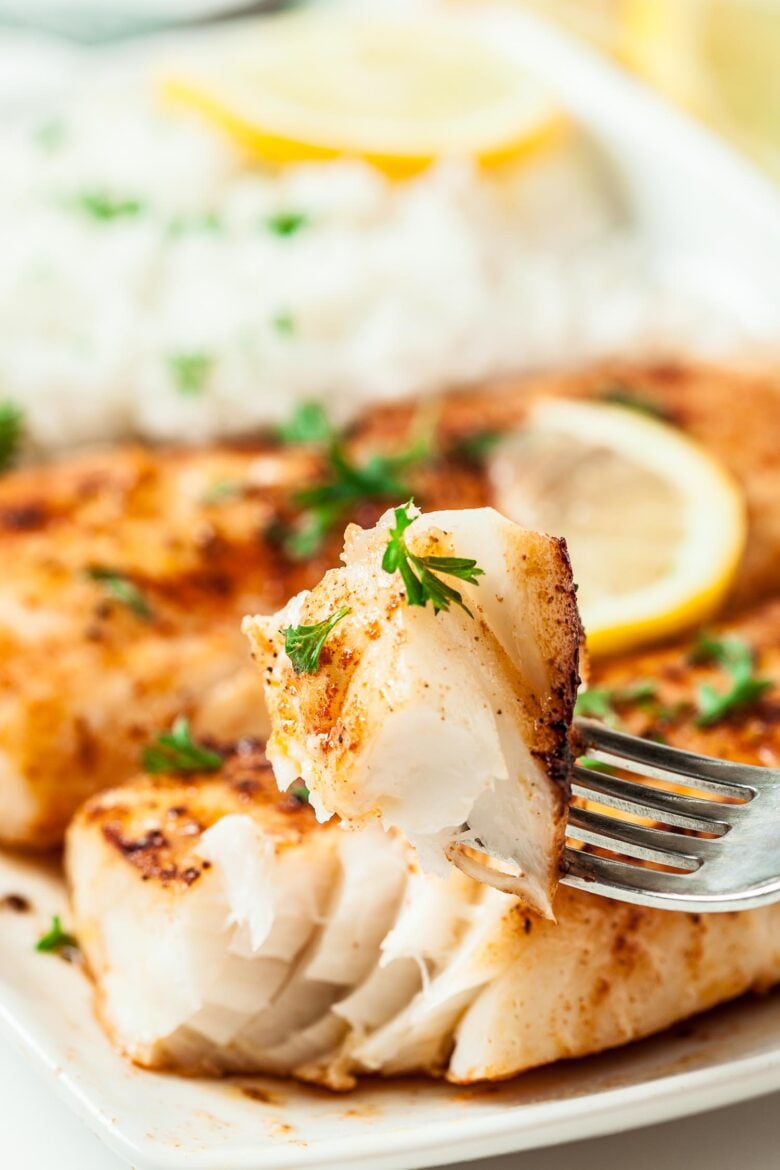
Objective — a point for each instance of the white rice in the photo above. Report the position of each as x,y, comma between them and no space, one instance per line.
387,290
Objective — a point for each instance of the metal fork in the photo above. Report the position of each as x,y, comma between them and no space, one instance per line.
735,866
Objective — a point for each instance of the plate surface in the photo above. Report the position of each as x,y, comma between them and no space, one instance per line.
169,1123
704,212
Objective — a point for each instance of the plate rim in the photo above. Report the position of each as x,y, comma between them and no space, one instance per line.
456,1139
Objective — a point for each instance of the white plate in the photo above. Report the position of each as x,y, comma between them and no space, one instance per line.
169,1123
710,219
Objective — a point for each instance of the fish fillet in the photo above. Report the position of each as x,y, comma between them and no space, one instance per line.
85,682
210,954
453,726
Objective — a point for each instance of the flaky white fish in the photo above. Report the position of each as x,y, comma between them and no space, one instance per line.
450,726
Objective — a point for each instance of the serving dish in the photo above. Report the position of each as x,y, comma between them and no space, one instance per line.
707,216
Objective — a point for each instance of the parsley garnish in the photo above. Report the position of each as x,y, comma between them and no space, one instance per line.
121,588
736,658
303,644
476,447
284,323
56,939
309,424
420,575
286,223
344,483
599,702
299,791
51,135
105,207
190,371
11,428
620,395
176,751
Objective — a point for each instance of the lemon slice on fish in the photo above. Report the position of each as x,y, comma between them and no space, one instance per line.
655,526
400,92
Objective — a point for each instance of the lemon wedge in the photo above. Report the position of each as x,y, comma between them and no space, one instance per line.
655,526
399,92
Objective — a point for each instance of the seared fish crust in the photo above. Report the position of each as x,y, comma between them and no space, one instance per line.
453,978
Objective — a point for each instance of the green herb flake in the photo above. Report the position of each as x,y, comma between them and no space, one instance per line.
736,658
51,135
308,424
422,575
596,766
620,395
284,323
191,371
56,940
11,433
175,752
476,447
299,791
303,644
344,484
286,223
600,702
106,208
122,589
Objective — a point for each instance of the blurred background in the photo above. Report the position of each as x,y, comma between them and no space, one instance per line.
718,59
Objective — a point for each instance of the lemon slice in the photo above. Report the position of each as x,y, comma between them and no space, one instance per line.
398,92
655,526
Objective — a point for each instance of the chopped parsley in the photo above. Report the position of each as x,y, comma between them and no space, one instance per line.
191,371
176,751
299,791
286,223
51,135
620,395
476,447
600,702
11,430
56,939
122,589
103,206
284,323
737,660
303,644
421,575
344,483
309,424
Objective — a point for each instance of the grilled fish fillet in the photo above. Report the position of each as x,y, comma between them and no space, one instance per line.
377,967
85,681
120,606
452,727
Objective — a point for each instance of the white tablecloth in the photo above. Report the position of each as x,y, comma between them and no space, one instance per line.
38,1132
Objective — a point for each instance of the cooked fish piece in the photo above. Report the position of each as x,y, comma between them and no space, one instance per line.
86,679
452,726
220,921
120,606
655,693
228,931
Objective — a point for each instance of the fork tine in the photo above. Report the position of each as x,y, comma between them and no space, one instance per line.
686,812
631,883
634,840
662,762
